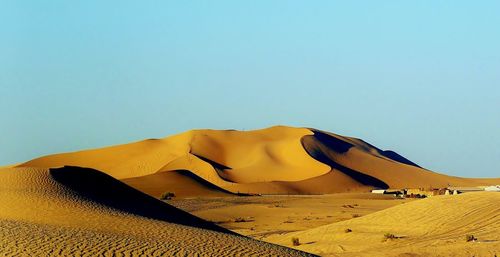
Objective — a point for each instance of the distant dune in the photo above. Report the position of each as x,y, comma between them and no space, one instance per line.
73,211
436,226
276,160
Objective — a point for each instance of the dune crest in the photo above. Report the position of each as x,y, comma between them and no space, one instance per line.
275,160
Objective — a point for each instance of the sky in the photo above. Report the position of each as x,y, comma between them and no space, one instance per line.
418,77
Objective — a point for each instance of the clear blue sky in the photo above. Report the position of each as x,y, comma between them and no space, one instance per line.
418,77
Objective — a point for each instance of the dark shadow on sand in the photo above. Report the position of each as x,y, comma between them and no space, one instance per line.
320,146
332,142
397,157
219,168
106,190
205,183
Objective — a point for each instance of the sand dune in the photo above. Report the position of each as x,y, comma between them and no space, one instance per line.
431,227
75,211
276,160
239,155
52,205
373,167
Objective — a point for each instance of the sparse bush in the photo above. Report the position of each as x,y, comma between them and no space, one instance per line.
348,230
295,241
470,238
355,215
241,219
389,236
167,196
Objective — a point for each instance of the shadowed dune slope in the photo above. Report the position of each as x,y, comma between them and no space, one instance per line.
275,160
103,189
182,182
324,148
435,226
373,167
74,211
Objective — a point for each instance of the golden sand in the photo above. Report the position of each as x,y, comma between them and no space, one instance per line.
436,226
82,212
48,208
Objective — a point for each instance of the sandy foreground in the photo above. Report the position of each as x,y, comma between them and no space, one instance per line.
436,226
45,213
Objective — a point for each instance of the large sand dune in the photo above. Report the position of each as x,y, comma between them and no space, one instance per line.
74,211
431,227
276,160
51,205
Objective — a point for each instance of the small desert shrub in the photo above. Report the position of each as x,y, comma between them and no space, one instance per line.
348,230
389,236
295,241
470,238
167,196
355,215
241,219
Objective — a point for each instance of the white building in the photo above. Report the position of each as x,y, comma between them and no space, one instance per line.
493,188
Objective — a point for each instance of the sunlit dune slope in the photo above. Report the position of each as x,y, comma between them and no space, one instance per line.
435,226
239,156
76,211
276,160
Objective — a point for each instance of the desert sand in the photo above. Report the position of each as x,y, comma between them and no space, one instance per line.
261,217
82,212
105,201
436,226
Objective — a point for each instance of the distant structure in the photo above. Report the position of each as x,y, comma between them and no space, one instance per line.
492,188
423,193
459,190
395,192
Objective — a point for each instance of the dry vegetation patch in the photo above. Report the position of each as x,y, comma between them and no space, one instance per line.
470,238
167,196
